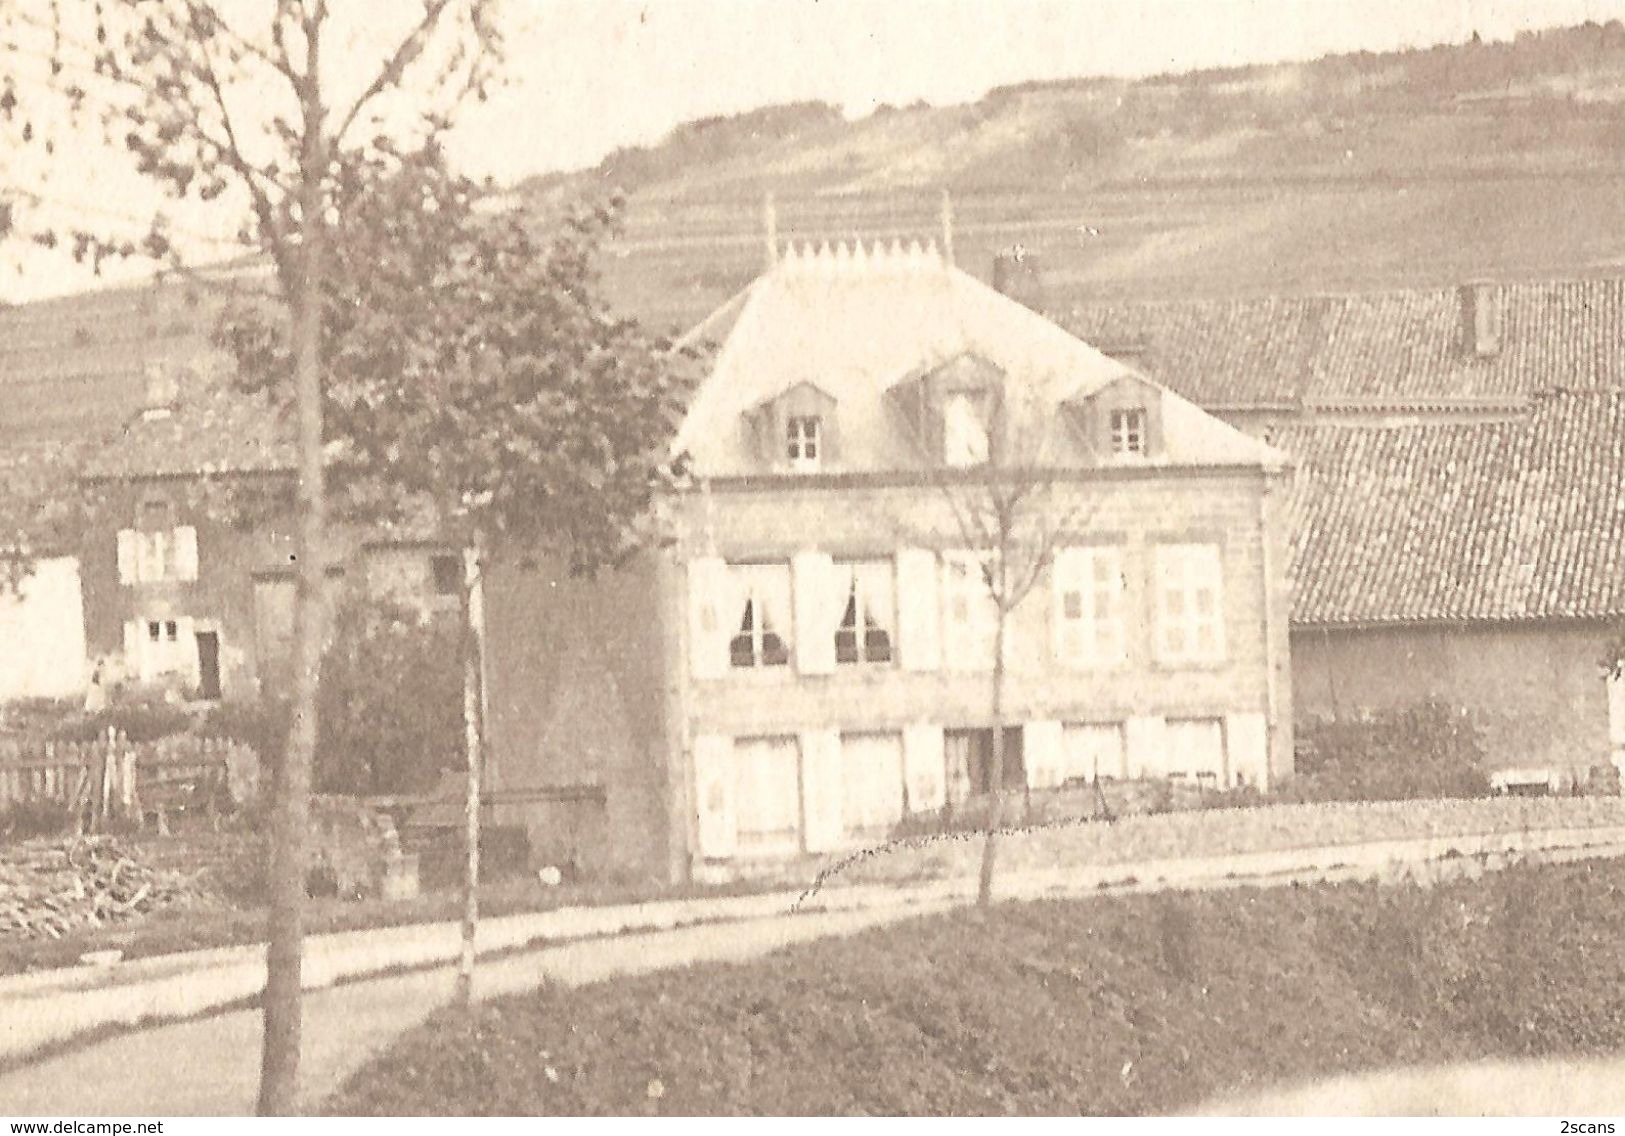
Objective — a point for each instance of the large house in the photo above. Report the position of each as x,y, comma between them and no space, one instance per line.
809,658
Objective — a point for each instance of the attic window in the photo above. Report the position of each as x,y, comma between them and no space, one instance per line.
1128,431
964,435
804,441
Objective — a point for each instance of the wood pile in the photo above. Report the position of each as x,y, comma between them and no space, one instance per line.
49,889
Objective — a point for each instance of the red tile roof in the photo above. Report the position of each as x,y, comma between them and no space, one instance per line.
1482,521
1402,347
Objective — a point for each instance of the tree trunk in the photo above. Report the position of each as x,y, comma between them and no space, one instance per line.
473,732
279,1057
995,812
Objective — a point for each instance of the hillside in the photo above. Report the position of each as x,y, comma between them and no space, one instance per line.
1419,167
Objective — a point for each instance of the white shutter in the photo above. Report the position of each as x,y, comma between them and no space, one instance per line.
718,828
185,553
1145,744
1247,736
1043,749
1066,634
919,646
923,769
129,566
185,657
135,634
811,573
708,617
822,795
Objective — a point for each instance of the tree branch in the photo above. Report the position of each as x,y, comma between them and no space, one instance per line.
389,75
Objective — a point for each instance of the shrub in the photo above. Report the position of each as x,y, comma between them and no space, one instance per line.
391,705
1428,750
25,820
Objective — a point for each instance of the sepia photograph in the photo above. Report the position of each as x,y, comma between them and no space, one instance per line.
811,558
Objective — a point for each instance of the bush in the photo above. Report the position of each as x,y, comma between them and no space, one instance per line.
1423,752
391,704
24,820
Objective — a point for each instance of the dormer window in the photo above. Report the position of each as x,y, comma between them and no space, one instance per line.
1128,432
804,442
963,432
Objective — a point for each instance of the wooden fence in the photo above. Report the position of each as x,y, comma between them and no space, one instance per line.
113,776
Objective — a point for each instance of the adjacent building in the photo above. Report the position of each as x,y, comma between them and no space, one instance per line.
1458,495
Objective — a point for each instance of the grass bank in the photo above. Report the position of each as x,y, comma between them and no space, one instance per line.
1144,1004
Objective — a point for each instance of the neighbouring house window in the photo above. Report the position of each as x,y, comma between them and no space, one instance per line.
1194,748
1189,603
964,433
762,638
969,615
162,647
1089,606
969,758
1128,431
157,555
448,575
767,794
865,631
871,783
804,443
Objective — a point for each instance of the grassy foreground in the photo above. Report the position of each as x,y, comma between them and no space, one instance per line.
1143,1004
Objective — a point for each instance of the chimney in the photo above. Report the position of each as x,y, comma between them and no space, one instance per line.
1018,274
1480,319
770,228
162,391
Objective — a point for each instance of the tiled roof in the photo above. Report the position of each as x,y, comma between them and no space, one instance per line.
1403,347
1510,520
213,429
856,322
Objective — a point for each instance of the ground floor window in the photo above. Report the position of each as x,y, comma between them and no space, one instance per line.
1092,750
1195,749
871,783
969,758
767,794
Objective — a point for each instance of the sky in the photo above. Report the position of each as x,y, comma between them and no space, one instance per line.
588,76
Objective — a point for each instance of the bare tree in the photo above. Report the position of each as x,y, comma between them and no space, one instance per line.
1014,505
259,106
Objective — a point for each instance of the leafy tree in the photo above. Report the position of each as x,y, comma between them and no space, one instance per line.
246,105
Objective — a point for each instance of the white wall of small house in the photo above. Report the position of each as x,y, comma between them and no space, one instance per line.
42,634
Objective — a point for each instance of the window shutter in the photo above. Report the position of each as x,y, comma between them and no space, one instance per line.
815,617
923,770
134,637
1065,633
129,567
1247,738
708,617
1043,750
919,645
1145,744
718,828
185,553
185,658
822,793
